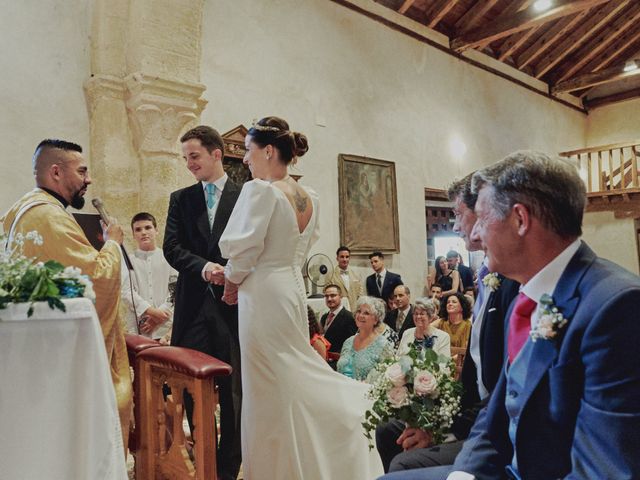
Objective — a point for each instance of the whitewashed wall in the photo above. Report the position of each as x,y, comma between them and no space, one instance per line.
44,62
355,86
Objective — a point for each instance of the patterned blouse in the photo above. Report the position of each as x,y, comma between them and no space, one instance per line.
358,364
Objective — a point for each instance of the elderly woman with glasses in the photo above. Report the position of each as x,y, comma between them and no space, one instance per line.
363,351
424,335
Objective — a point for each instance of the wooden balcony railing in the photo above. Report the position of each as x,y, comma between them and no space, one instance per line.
611,176
608,168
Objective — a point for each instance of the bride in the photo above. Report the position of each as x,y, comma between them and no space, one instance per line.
300,419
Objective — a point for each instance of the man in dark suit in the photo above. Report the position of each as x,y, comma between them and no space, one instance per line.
483,358
466,274
338,323
401,317
202,321
567,403
381,283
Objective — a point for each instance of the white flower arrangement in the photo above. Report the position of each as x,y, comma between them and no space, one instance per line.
550,320
491,281
418,389
22,280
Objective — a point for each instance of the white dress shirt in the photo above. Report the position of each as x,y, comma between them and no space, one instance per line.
211,212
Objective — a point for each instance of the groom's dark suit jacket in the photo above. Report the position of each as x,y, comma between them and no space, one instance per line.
579,414
491,354
189,244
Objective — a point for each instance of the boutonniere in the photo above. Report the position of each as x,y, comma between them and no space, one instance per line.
491,281
550,320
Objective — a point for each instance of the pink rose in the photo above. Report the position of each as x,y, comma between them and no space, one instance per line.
425,383
398,396
395,376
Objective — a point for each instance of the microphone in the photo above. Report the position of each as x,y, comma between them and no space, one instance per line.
99,206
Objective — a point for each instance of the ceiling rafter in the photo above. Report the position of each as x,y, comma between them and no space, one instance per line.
519,21
601,41
514,42
438,11
513,7
607,75
594,22
609,99
406,5
615,53
471,18
548,38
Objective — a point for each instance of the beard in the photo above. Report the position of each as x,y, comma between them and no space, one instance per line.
77,201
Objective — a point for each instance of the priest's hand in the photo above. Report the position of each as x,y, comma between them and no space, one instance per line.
113,231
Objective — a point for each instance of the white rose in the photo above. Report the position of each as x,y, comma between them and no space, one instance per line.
425,383
395,376
398,396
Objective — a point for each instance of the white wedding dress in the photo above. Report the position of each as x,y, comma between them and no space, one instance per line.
300,419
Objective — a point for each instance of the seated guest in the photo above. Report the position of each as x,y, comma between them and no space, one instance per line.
455,315
363,351
319,343
435,291
423,335
149,310
381,282
400,318
391,303
338,323
448,279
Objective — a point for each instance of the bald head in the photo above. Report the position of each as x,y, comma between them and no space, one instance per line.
58,166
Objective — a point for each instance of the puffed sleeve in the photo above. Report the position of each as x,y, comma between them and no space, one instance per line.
243,240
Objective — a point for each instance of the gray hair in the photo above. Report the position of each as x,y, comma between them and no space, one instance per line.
426,304
377,306
549,187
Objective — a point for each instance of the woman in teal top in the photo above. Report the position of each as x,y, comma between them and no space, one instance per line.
363,351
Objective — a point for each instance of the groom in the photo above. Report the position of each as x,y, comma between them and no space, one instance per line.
202,321
567,405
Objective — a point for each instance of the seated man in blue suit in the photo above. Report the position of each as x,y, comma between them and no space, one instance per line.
381,283
567,403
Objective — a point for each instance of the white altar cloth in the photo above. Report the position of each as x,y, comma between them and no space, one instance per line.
58,412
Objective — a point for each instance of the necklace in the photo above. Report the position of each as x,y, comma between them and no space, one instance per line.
286,177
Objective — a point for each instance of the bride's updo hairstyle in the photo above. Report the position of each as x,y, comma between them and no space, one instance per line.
275,131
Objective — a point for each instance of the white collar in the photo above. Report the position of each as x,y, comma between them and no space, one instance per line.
546,280
219,183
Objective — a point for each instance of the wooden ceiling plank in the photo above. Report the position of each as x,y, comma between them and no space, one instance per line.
514,42
471,18
594,22
617,97
522,20
406,5
513,7
601,41
622,49
594,78
438,11
546,40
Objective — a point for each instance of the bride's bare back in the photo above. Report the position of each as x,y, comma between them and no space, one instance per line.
299,200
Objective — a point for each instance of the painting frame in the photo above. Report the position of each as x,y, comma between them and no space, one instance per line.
368,198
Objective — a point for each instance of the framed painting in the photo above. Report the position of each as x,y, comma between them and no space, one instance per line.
368,204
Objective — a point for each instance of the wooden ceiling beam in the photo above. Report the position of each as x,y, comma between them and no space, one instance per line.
438,11
617,97
607,75
406,5
513,7
514,42
471,18
594,21
523,20
601,41
622,49
548,38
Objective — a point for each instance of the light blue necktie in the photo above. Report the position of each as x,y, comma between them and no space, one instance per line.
211,195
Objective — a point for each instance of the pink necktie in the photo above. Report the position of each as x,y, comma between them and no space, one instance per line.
519,325
329,320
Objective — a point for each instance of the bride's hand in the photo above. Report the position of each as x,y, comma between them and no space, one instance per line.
230,295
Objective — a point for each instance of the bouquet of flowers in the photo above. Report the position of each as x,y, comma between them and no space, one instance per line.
24,280
418,389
